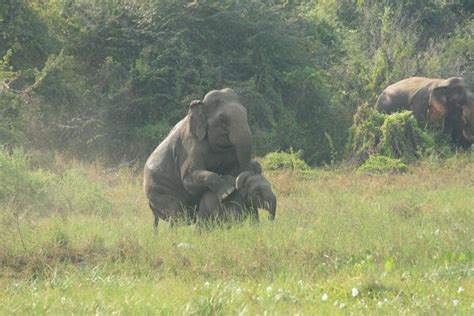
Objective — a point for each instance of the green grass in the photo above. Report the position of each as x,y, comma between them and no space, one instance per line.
403,240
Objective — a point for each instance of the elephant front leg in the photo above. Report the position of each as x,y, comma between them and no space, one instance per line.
255,216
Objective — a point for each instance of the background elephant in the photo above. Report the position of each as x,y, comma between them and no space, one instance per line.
213,139
253,192
433,100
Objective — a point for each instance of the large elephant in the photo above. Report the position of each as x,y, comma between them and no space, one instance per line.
213,140
253,192
433,100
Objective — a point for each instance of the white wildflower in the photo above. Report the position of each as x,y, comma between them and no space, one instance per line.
342,305
238,291
324,297
460,289
269,289
455,302
379,304
206,284
355,292
183,245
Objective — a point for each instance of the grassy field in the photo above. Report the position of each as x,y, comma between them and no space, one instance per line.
342,242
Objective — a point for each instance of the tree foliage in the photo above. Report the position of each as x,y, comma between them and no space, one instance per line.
108,79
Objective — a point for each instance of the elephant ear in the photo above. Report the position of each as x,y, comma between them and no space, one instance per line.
242,178
197,122
453,81
437,104
256,167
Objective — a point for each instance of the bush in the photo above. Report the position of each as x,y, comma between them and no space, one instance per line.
22,188
396,136
18,183
284,160
382,164
365,134
402,138
76,193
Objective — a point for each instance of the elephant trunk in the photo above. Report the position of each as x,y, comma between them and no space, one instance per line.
468,136
241,138
271,207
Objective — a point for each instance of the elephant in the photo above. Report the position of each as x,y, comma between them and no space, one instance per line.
253,191
212,140
433,100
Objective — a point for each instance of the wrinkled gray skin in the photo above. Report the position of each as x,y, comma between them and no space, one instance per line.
213,139
433,100
253,192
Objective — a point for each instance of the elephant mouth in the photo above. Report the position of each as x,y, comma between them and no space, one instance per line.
222,142
223,147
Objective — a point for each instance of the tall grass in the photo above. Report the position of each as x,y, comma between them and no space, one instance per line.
403,241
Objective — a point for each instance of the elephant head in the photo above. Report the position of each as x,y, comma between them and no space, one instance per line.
468,118
445,97
452,100
257,191
221,119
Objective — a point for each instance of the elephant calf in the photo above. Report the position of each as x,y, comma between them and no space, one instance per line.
253,192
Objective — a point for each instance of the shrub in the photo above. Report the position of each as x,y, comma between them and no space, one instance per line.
382,164
284,160
22,187
402,138
396,136
76,193
20,184
365,134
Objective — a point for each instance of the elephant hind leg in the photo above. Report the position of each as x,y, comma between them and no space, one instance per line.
156,216
170,209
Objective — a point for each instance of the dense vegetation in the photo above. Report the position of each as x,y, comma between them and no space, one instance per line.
79,240
107,79
88,88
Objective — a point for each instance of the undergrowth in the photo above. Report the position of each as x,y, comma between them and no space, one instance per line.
281,160
402,241
397,137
